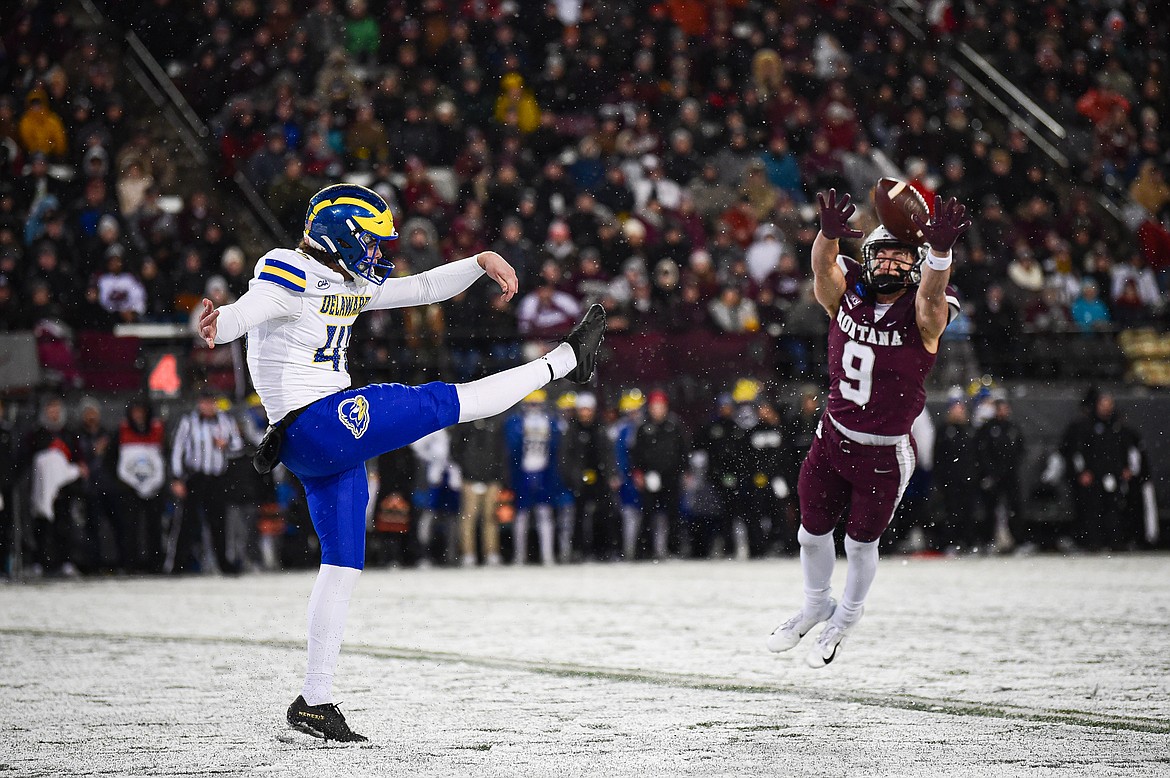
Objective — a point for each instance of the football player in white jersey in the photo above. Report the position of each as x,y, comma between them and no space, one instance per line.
298,314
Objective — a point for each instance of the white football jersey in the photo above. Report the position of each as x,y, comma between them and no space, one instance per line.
299,315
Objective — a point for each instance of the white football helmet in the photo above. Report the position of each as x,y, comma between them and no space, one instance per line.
879,239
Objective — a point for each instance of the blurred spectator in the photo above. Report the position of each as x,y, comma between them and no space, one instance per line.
532,436
1136,284
590,283
55,476
289,192
362,36
999,445
733,313
1102,457
420,246
119,291
1088,311
588,470
141,469
241,138
559,246
546,313
659,457
755,188
366,139
710,195
158,291
517,249
41,130
773,464
997,330
432,496
9,441
763,256
96,448
955,460
204,440
478,449
1128,308
1025,274
267,161
234,272
783,168
1048,312
1149,188
516,108
10,313
132,186
614,194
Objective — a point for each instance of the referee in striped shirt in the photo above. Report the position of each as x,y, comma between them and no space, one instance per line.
204,441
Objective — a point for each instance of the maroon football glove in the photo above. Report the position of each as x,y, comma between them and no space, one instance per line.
835,216
945,226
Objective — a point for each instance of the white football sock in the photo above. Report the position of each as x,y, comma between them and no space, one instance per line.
817,556
561,359
496,393
328,605
863,560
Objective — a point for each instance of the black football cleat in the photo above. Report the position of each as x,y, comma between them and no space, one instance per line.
585,340
323,721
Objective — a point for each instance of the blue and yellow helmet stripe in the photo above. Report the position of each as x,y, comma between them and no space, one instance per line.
349,220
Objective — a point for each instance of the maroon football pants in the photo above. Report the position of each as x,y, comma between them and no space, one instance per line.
841,478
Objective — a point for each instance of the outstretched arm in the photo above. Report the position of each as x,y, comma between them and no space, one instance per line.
445,281
262,302
828,278
941,231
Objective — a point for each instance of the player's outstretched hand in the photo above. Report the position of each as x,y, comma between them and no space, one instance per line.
501,272
835,216
945,226
207,322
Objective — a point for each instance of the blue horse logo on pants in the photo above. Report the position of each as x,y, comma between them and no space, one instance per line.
355,415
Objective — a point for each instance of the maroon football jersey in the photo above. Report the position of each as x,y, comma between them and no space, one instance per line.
877,368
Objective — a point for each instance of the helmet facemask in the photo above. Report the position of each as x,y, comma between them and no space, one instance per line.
372,266
350,222
892,279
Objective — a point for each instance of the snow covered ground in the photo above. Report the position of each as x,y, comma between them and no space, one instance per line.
991,666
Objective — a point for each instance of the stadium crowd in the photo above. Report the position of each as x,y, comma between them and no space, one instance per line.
654,159
559,480
659,159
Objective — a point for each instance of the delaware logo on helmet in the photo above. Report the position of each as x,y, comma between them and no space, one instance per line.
349,221
355,414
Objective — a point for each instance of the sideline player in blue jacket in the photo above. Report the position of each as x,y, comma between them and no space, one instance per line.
298,314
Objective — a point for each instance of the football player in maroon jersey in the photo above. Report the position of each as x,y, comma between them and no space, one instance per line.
888,313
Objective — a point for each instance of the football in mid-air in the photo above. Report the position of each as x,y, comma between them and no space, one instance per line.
895,202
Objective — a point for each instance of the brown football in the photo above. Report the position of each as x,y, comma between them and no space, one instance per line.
895,202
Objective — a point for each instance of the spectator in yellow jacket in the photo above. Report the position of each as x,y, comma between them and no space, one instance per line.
40,128
516,107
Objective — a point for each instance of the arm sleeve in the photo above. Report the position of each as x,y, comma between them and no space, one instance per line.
441,283
262,302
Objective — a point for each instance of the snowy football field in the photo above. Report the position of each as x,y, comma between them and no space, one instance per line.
978,666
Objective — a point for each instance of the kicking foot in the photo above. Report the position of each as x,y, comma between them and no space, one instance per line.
788,634
585,340
323,721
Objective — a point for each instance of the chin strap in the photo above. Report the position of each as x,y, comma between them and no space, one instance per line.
887,288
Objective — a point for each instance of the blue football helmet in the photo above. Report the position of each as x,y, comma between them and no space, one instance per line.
349,220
